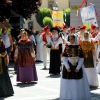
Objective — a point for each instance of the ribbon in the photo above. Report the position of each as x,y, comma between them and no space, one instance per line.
96,13
84,1
77,13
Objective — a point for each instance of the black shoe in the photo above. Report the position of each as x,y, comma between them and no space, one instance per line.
44,68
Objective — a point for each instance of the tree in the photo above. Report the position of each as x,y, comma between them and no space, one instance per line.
48,21
67,17
43,12
8,31
4,10
25,8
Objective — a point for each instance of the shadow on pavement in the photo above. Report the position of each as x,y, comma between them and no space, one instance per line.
94,88
54,76
95,95
56,99
45,69
1,98
10,70
11,76
39,62
11,64
25,85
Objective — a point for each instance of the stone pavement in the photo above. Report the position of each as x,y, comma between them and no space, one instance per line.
47,88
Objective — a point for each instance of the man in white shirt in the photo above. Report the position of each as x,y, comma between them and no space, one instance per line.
46,37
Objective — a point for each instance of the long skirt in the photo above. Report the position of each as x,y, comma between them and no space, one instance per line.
98,67
39,55
27,74
71,89
55,62
92,76
98,56
6,88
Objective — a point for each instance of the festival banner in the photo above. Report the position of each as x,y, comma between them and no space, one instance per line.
57,17
88,16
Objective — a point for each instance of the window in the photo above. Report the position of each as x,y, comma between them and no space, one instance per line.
30,24
50,3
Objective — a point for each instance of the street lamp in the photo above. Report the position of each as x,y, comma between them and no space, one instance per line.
55,6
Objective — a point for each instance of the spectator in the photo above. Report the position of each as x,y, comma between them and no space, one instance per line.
8,41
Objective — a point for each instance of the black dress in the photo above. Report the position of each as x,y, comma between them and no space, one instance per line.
6,88
72,51
55,61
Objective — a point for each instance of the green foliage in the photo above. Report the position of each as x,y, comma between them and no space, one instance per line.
8,30
48,21
43,12
67,17
67,10
0,31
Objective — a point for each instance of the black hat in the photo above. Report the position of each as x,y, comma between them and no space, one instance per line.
55,28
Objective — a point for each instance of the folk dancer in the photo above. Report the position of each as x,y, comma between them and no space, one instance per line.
46,37
64,35
6,88
97,38
24,53
90,60
81,33
55,52
72,30
94,33
74,83
98,56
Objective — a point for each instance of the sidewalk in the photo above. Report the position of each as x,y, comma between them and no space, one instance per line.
47,88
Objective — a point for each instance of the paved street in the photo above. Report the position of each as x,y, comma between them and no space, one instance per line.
47,88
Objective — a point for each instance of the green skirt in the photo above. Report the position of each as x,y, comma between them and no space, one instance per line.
6,88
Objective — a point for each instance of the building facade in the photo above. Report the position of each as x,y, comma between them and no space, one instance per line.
75,21
62,4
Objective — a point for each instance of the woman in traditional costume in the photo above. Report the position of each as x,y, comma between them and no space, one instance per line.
98,56
26,71
16,60
74,83
55,52
6,88
90,60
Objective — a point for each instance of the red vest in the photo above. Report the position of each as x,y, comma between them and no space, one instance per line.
44,36
94,35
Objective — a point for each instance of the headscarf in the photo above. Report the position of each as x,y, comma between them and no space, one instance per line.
76,40
89,39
